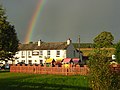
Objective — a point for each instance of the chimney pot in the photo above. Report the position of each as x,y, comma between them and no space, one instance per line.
69,41
39,42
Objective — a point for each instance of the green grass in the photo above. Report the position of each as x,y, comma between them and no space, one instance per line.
19,81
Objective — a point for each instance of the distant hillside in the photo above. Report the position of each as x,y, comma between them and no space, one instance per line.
87,48
86,45
87,51
83,45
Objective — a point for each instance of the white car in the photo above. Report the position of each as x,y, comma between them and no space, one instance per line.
7,66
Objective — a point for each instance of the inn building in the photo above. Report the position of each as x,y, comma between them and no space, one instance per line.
43,52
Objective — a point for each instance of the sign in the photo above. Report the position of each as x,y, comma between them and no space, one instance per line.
35,52
113,57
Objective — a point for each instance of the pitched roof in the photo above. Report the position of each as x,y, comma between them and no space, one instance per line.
44,46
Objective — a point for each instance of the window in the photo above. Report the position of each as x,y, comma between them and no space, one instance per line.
23,60
28,53
41,53
58,54
48,52
40,56
29,56
29,61
35,60
22,54
41,61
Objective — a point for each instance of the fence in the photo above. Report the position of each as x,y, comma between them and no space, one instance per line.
56,70
49,70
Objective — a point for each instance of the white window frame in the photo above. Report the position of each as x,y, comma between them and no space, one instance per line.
57,53
48,52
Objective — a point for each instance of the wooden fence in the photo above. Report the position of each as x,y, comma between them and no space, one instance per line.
57,70
49,70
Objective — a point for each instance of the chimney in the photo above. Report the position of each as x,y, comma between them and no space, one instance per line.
39,42
69,41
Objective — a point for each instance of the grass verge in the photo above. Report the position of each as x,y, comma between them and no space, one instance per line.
20,81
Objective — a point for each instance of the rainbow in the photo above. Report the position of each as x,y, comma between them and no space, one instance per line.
33,21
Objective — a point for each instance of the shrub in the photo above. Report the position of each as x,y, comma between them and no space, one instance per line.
117,52
101,77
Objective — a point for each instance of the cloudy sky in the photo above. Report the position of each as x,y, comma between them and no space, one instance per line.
63,19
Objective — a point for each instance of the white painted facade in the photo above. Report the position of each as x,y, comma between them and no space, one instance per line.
25,56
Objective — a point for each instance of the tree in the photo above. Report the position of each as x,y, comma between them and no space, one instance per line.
104,39
101,76
8,37
117,52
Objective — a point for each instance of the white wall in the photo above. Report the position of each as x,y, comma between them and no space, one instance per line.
37,58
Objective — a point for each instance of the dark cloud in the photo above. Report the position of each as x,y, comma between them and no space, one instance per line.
62,19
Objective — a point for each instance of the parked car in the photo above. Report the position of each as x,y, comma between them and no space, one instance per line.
7,66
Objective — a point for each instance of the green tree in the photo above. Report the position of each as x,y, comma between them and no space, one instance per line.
8,37
101,76
104,39
117,52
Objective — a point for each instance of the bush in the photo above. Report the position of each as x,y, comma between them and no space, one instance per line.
117,52
101,77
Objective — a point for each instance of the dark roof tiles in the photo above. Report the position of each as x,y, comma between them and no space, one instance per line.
44,46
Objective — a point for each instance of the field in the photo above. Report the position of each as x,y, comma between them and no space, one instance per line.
20,81
87,51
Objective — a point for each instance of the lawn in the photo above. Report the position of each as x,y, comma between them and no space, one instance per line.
20,81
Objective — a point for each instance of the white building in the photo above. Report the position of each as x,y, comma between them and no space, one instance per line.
38,53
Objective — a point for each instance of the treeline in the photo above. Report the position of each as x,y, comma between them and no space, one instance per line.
83,45
87,45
